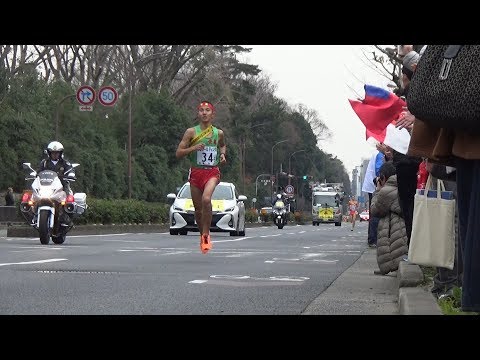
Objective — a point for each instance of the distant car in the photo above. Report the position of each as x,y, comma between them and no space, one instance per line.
228,211
364,215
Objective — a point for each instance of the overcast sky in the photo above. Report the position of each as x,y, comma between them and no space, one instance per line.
319,76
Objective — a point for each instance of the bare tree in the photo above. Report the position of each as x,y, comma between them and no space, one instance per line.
385,61
320,130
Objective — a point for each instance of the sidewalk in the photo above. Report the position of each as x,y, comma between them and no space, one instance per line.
358,291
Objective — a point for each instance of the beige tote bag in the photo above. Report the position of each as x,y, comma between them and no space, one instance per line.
433,229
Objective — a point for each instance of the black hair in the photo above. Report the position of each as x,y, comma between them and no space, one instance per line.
387,170
407,72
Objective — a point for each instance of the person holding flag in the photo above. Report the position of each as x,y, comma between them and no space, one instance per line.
204,144
379,112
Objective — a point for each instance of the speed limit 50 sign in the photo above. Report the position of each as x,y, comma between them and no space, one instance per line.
107,96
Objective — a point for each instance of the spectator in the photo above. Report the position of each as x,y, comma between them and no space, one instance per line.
407,166
392,238
9,197
460,149
445,279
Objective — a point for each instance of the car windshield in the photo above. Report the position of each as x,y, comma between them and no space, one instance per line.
324,199
221,192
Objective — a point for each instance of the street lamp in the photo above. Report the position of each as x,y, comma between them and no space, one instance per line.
289,166
138,64
256,189
130,134
57,114
356,181
271,173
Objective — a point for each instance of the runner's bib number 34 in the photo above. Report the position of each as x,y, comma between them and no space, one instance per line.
207,156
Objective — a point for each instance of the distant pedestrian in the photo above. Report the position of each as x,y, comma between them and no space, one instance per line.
9,197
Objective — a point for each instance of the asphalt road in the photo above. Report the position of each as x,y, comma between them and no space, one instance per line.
269,271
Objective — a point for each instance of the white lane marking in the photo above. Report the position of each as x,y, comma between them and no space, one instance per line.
102,235
125,241
304,259
301,232
306,247
286,259
240,239
33,262
269,261
230,277
288,278
273,278
41,247
197,281
290,233
125,250
313,255
145,248
156,250
240,254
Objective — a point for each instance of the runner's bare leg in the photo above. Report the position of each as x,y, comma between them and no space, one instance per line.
197,203
207,204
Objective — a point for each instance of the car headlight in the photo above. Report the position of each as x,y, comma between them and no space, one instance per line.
177,208
230,209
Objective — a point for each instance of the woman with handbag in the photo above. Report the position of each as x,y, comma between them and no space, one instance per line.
443,97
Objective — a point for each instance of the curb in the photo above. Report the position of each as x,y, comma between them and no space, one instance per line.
417,301
409,275
412,298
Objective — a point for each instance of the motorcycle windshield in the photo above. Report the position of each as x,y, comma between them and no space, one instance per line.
47,177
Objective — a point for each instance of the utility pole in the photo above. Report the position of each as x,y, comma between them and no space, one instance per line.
57,134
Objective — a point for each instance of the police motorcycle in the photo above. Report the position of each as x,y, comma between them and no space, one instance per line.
48,208
279,212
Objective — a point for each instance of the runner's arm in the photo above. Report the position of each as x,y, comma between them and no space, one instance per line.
222,146
184,147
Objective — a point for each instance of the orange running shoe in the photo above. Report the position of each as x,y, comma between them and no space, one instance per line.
205,243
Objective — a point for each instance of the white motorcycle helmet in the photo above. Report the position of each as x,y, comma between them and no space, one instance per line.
279,196
55,146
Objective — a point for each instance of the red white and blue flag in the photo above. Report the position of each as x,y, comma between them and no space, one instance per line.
379,108
378,112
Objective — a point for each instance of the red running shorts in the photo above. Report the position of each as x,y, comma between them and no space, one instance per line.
199,177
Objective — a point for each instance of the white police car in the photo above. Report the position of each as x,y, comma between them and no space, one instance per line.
228,211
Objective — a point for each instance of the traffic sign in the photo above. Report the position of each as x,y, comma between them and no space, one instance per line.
289,189
85,95
107,96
